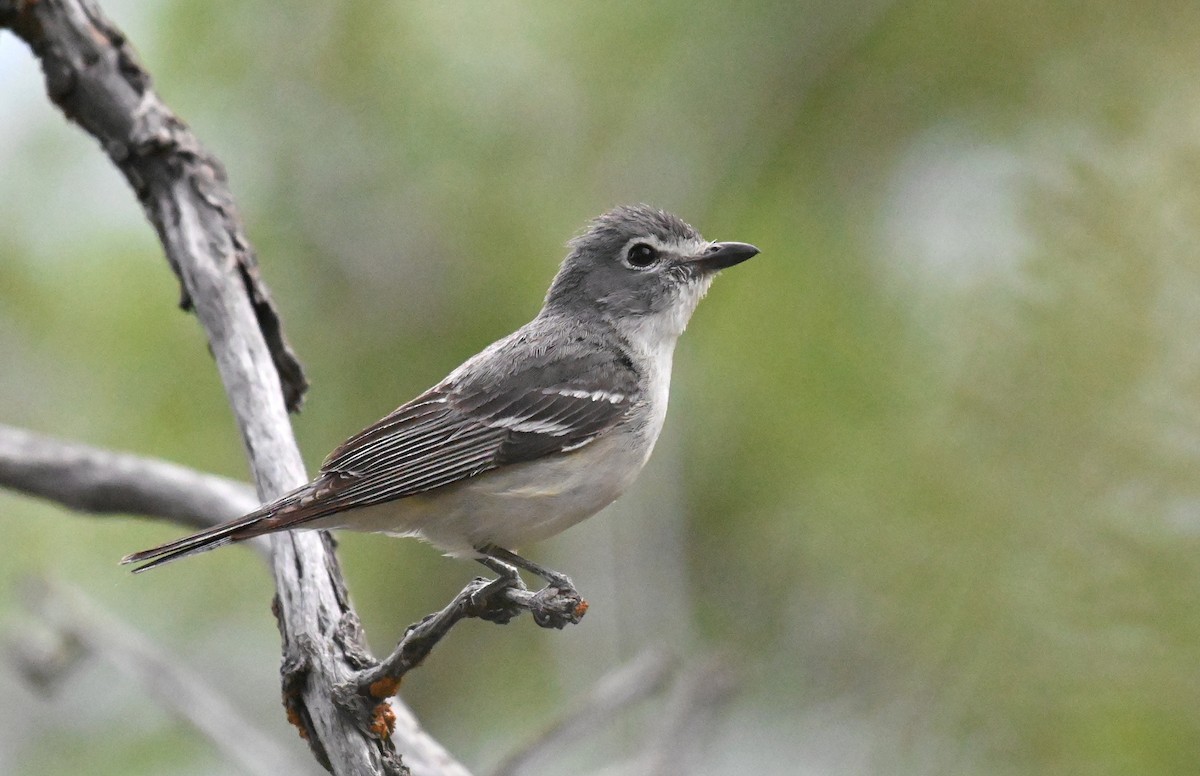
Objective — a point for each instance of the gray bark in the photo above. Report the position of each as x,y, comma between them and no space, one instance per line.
93,75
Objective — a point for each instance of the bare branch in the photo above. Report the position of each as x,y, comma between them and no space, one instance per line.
101,481
496,600
679,739
93,75
697,696
89,479
626,685
85,630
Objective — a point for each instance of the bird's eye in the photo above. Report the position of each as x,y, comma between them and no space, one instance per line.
641,256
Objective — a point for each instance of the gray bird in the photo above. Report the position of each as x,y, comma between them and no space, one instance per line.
538,431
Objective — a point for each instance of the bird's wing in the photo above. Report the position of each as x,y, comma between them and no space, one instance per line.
481,420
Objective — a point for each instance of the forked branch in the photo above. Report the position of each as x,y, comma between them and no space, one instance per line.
93,75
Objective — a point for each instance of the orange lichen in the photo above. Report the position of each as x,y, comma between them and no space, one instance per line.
385,687
383,720
581,609
293,717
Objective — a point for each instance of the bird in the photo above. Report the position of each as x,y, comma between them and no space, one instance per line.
538,431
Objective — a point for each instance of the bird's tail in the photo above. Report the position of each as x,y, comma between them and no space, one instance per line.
245,527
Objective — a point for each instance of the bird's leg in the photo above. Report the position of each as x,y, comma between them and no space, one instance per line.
506,577
509,559
506,573
555,605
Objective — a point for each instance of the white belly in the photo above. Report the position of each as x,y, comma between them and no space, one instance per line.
513,506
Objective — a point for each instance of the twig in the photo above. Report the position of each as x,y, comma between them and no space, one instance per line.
640,678
698,694
100,481
90,479
495,600
674,745
85,630
93,75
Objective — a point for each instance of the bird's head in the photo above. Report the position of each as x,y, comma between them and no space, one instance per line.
641,265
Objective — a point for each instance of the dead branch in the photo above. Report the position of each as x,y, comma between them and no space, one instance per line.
702,690
644,676
93,75
90,479
334,691
82,630
495,600
100,481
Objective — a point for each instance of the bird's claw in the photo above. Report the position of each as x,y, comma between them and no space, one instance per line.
489,600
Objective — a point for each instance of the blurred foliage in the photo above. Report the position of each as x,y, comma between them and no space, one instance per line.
930,468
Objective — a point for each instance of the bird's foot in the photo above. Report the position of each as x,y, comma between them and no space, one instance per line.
559,581
554,606
496,600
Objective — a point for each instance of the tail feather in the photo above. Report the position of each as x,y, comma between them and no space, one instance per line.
288,511
209,539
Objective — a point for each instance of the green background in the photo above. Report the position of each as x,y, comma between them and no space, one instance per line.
929,479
